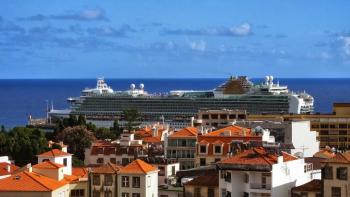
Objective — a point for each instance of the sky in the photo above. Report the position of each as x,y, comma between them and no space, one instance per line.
174,39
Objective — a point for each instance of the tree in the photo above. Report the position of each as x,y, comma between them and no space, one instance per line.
116,128
104,133
78,138
3,130
131,116
81,120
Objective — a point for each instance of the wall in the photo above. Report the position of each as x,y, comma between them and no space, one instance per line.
203,190
344,184
303,139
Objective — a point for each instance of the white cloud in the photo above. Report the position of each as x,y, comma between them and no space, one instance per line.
198,46
241,30
346,45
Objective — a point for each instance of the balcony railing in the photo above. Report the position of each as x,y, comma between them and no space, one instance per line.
260,186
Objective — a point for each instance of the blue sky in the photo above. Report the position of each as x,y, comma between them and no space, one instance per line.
175,39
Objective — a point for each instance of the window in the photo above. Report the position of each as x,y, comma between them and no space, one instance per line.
342,173
77,193
108,179
113,160
125,194
336,192
217,149
211,192
214,116
161,171
246,178
108,193
303,194
99,160
328,172
197,192
228,177
205,116
173,170
96,180
183,143
148,181
203,148
125,161
65,161
125,181
135,194
223,116
223,192
217,160
136,181
96,193
232,116
202,162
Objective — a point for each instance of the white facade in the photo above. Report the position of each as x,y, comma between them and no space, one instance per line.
5,159
276,183
65,160
148,185
304,140
167,172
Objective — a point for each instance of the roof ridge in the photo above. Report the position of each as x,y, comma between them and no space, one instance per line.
140,166
32,177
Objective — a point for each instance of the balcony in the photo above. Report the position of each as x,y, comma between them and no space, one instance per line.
260,186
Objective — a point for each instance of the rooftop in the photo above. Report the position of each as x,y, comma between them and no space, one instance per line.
4,168
185,132
54,153
232,130
108,168
312,186
205,180
48,165
137,167
339,158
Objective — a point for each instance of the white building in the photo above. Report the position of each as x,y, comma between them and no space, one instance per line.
138,179
167,170
60,157
6,167
256,172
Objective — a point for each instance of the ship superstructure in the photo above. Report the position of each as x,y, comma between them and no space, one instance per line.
178,106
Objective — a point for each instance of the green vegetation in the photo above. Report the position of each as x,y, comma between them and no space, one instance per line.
131,116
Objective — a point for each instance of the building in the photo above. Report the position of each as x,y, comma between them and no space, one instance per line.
138,179
167,169
203,186
181,145
6,167
47,178
261,172
310,189
216,145
335,177
219,118
103,180
333,129
119,152
297,133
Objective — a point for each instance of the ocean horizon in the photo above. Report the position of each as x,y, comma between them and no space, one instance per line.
20,98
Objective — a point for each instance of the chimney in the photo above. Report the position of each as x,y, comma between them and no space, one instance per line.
29,167
8,168
154,132
192,121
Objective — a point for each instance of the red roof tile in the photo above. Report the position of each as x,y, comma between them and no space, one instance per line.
205,180
4,166
108,168
232,130
186,132
54,153
137,167
48,165
339,158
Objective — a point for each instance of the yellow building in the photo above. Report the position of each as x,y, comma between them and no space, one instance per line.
333,129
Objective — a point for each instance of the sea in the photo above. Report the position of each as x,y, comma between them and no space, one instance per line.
20,98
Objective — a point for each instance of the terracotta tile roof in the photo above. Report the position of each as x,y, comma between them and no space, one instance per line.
324,153
205,180
254,158
30,181
232,130
312,186
54,153
151,139
48,165
80,172
339,158
147,132
3,168
108,168
137,167
186,132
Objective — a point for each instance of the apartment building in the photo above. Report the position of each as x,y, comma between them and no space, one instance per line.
103,180
47,178
261,172
215,146
138,179
203,186
181,145
310,189
335,177
219,118
333,129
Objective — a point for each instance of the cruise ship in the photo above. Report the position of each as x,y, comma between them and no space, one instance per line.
178,106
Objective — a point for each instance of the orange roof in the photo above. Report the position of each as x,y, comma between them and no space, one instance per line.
48,165
108,168
339,158
30,181
325,153
147,132
232,130
54,153
151,139
137,167
3,168
186,132
256,156
80,172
